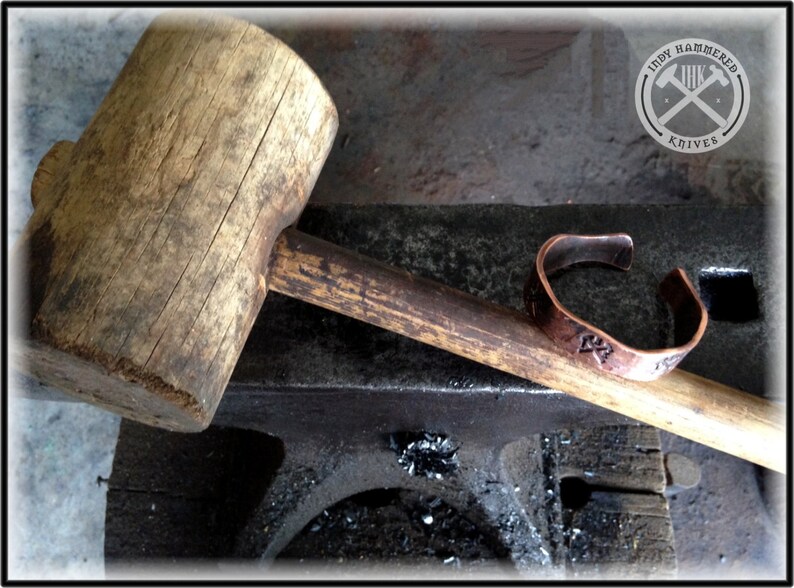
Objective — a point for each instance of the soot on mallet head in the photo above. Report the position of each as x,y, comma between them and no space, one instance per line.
423,453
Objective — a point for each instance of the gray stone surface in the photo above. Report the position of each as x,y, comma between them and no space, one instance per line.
59,455
61,64
432,111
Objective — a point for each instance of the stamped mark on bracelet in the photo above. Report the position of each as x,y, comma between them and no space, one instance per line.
668,363
589,343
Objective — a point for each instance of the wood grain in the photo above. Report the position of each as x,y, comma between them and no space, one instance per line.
54,160
696,408
147,250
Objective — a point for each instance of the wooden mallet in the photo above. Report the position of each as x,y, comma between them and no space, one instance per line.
157,235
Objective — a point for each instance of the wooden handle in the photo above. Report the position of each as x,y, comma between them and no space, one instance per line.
144,255
685,404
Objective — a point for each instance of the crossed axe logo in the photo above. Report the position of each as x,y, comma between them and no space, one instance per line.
692,96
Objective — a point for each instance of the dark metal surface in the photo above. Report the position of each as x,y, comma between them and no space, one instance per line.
308,371
333,389
228,503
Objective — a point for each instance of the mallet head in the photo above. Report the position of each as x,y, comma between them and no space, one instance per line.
147,251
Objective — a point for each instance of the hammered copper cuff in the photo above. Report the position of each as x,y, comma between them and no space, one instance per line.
592,345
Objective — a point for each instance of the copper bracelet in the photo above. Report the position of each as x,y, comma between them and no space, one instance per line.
592,345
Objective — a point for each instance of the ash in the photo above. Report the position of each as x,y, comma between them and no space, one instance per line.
423,453
397,527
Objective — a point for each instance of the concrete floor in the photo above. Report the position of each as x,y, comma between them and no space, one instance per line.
503,116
